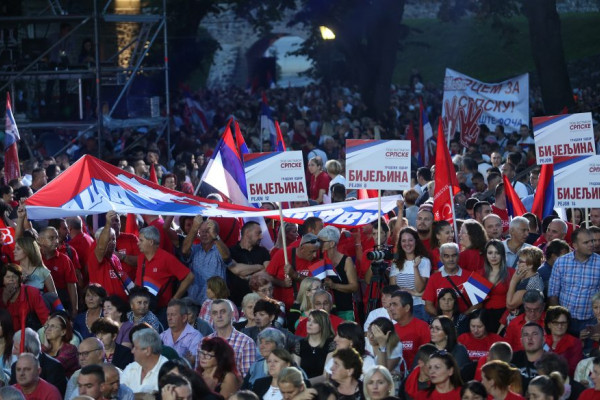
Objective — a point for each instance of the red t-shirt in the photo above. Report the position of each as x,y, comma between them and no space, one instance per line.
497,296
590,394
513,331
454,394
275,268
72,253
317,183
570,347
301,328
165,242
105,274
230,230
470,260
29,300
437,282
412,335
43,391
503,214
478,348
436,263
82,243
158,272
61,268
129,243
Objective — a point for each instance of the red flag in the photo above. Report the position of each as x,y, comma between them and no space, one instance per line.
11,137
367,194
446,184
279,143
514,206
131,225
153,177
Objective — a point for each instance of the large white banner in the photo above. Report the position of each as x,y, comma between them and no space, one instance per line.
558,137
277,176
468,103
378,164
577,182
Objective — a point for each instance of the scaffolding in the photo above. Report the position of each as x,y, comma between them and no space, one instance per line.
26,64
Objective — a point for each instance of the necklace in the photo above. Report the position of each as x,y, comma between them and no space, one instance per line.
87,324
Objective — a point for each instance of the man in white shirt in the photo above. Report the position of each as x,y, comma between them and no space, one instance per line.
141,376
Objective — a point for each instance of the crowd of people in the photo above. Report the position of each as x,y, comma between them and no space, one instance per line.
192,308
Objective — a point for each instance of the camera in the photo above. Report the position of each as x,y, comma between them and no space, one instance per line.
381,253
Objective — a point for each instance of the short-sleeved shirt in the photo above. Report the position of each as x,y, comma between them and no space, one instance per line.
244,349
37,278
187,342
158,272
72,253
412,335
439,281
405,277
276,269
109,274
317,183
478,348
239,287
511,257
204,264
128,242
43,391
62,269
82,243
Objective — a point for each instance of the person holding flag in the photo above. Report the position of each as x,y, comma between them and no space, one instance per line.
346,282
11,137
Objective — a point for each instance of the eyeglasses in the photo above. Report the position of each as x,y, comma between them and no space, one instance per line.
52,327
84,354
206,354
266,290
532,310
560,323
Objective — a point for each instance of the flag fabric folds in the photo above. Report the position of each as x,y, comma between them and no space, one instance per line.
410,135
543,200
239,139
446,184
267,126
477,288
514,206
195,115
425,135
11,137
322,269
279,143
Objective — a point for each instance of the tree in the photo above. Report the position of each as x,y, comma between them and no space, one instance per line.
365,50
544,34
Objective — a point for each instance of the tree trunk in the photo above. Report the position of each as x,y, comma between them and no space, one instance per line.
548,54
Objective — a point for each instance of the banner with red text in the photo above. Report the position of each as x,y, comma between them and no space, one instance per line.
378,164
468,103
560,137
277,176
577,182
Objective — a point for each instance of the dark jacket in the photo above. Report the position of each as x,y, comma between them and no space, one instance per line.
122,356
52,371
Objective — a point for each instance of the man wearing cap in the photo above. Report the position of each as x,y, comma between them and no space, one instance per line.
299,259
345,282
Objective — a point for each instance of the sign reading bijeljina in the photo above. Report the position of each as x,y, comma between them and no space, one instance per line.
378,164
277,176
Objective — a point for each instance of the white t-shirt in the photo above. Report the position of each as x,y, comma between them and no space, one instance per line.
273,394
405,278
368,363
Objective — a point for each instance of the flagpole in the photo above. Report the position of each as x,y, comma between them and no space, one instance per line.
448,136
587,217
453,213
379,217
282,231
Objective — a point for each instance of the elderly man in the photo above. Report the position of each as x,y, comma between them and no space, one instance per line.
29,381
557,229
52,370
142,374
492,224
533,304
104,267
91,381
209,258
250,258
575,279
322,300
158,269
449,276
113,389
243,346
181,336
518,230
90,352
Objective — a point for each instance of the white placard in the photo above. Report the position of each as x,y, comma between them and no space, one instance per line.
378,164
277,176
560,137
577,183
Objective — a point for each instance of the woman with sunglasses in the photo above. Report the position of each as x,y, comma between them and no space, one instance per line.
444,377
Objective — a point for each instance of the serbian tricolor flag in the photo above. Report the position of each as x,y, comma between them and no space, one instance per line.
197,117
11,137
477,288
322,269
446,184
425,135
279,143
239,139
543,200
514,206
267,126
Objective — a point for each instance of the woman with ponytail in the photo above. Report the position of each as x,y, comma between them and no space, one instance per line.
547,387
501,381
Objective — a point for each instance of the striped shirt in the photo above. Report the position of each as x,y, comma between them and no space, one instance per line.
405,277
244,349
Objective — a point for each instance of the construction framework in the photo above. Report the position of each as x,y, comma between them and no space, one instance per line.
103,71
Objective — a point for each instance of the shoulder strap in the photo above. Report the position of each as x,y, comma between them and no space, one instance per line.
119,276
462,296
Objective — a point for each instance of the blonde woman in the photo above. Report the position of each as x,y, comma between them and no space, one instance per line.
27,254
303,304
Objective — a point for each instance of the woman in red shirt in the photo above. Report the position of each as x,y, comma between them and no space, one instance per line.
501,381
570,347
472,239
478,341
495,271
444,375
550,387
319,180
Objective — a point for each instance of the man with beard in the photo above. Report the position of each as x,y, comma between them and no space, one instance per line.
424,223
